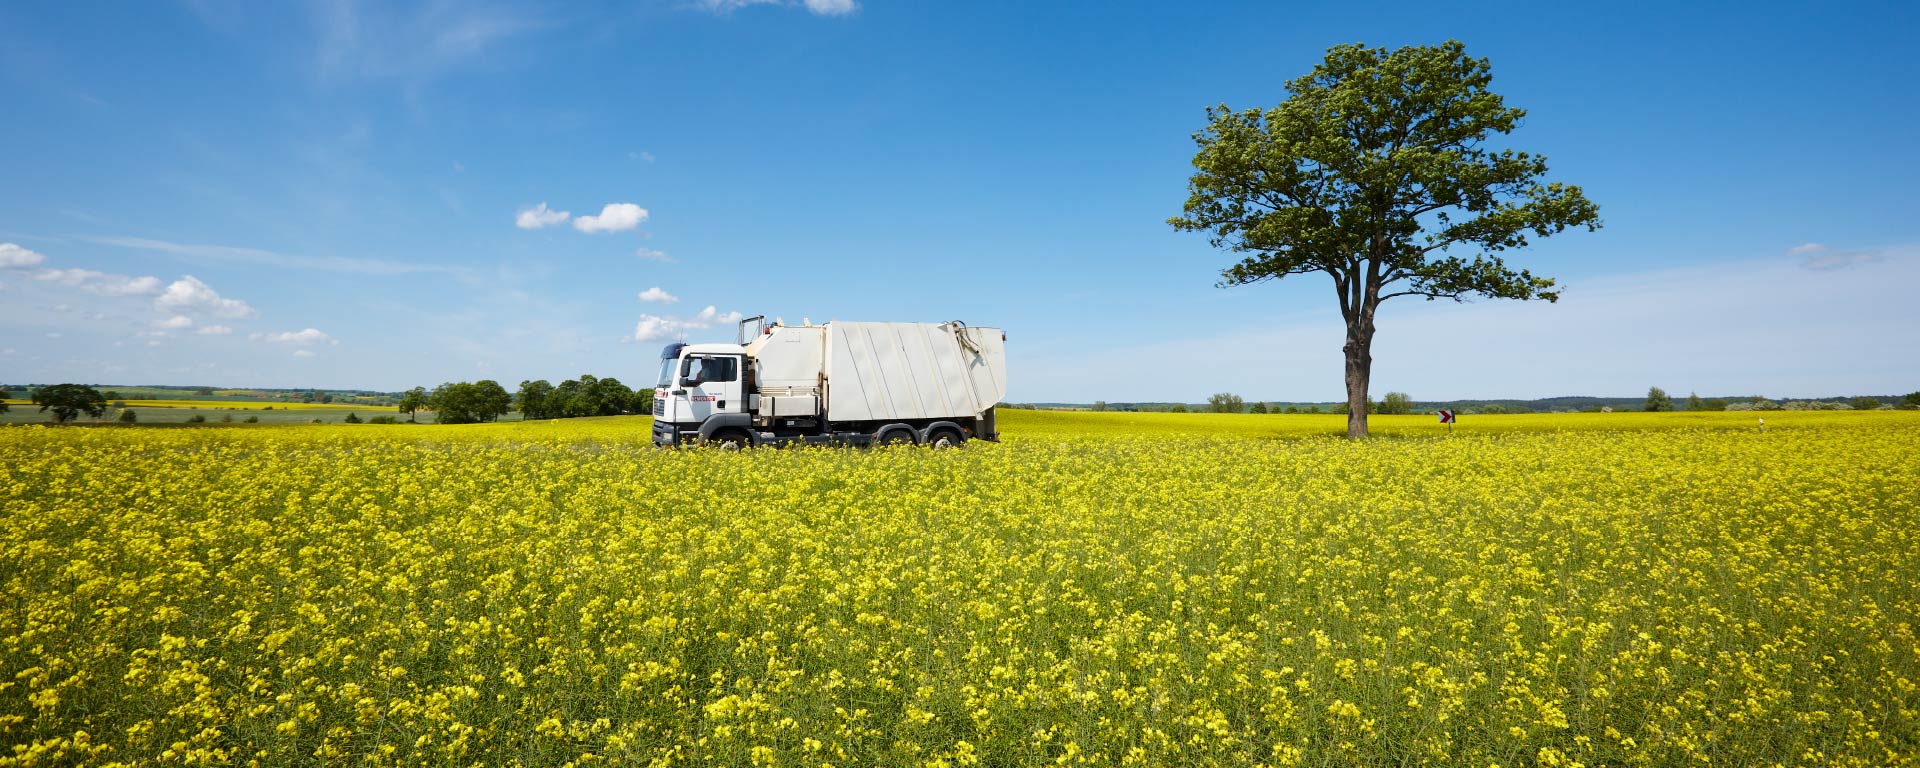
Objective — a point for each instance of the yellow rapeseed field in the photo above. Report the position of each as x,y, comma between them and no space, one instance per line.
1100,589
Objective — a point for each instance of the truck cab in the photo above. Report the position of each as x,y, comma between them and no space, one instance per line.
699,385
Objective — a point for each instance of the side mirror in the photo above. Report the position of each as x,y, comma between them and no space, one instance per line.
687,382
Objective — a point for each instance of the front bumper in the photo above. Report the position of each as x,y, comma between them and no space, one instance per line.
669,434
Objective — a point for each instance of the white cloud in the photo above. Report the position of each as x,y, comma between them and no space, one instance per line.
302,338
176,322
188,294
643,156
302,353
15,257
214,330
649,254
53,334
655,327
818,7
1805,248
539,216
101,283
832,7
655,294
614,217
709,316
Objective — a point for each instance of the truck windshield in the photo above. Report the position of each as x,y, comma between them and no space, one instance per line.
667,368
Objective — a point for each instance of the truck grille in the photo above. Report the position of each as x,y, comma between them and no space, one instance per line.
659,407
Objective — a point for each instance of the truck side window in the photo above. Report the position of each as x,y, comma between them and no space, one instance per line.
705,370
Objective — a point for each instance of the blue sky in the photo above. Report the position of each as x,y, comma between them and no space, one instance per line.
333,194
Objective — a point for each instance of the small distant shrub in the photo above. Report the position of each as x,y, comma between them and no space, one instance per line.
226,418
1395,403
316,421
384,420
196,419
253,419
127,416
268,408
352,418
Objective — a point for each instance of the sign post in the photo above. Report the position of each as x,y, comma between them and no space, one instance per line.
1446,417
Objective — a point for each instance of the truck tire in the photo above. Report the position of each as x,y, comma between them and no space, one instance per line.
896,434
730,440
946,437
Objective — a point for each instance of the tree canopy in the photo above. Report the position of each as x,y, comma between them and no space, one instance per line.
70,400
1226,402
466,403
1377,171
585,396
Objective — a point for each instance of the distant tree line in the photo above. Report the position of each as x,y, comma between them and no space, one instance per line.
585,396
485,400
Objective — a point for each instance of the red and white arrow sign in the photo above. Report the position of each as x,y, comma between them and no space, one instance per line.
1446,416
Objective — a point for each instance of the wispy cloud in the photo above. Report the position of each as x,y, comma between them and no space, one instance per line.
100,283
1819,257
816,7
655,327
655,294
303,338
649,254
1765,325
390,41
237,254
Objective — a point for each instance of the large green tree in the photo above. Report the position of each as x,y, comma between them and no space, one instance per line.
531,399
412,400
70,400
1377,171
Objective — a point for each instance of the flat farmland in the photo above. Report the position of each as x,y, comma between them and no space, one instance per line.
1099,589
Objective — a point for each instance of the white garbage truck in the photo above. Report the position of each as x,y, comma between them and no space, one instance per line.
933,384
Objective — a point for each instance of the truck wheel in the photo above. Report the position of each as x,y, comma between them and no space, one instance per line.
946,438
895,437
730,440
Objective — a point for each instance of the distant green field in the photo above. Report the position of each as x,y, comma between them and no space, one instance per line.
215,413
219,395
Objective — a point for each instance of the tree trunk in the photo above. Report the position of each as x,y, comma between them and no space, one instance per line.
1359,352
